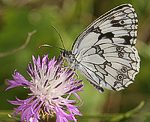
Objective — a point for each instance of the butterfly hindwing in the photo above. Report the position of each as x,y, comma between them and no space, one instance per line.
111,66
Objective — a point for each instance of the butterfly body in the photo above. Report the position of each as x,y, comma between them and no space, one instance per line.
105,51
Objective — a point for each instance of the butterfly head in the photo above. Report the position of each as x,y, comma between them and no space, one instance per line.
70,58
66,53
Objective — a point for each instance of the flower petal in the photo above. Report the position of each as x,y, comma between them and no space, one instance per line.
18,80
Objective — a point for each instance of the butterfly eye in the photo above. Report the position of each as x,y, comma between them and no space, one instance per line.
64,53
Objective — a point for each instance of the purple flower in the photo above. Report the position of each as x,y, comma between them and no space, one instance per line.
50,87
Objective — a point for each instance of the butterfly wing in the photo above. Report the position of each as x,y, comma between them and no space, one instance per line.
106,49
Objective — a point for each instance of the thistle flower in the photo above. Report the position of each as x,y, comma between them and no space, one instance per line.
50,88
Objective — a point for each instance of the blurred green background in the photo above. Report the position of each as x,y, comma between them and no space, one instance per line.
70,17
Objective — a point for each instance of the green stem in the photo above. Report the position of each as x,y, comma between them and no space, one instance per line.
128,114
107,117
118,116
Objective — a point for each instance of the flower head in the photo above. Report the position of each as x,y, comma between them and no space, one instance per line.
50,88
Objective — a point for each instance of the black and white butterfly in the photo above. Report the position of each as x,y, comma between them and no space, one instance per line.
105,51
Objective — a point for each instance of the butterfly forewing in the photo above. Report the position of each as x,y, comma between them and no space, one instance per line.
118,22
105,50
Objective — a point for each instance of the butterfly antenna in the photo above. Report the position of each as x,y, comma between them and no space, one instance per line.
46,45
59,37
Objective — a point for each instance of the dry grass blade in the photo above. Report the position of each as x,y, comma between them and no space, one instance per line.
4,54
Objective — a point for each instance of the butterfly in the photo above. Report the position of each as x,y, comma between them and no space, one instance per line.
105,51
